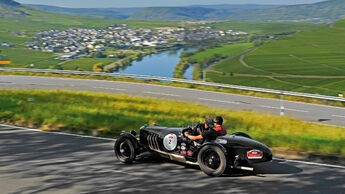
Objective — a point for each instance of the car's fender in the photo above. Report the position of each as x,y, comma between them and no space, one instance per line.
214,144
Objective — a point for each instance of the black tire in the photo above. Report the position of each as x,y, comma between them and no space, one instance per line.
124,150
212,160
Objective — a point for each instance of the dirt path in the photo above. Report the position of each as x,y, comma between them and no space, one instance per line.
231,57
112,65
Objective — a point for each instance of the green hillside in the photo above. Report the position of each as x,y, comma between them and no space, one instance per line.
172,13
308,62
16,17
9,9
322,12
113,13
326,10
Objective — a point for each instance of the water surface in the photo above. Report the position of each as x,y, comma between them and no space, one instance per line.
160,64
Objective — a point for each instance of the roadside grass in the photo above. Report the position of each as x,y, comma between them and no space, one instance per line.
85,64
224,51
107,115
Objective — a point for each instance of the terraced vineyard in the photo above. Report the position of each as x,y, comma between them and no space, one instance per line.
306,62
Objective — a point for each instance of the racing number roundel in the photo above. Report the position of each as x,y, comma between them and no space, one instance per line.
170,141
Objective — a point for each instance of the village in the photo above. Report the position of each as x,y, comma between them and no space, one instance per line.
79,42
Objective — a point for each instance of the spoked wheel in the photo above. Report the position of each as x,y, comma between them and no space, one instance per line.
124,150
212,160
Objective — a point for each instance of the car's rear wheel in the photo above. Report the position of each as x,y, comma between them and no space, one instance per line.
124,150
212,160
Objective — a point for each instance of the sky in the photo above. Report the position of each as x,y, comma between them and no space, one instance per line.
155,3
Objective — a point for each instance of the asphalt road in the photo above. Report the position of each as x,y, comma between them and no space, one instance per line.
41,162
308,112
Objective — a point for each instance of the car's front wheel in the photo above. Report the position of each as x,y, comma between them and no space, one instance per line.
124,150
212,160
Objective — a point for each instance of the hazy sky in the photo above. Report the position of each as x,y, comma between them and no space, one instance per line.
152,3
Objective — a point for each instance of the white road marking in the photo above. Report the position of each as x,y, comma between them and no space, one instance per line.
269,107
163,94
310,163
338,116
296,110
278,108
105,88
58,133
110,139
228,102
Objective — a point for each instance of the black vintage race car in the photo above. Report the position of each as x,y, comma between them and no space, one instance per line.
237,150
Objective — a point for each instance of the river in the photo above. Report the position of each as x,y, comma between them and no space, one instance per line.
160,64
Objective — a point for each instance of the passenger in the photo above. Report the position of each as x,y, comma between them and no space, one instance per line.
207,132
219,126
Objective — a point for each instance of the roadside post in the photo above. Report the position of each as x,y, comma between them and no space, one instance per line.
204,70
282,109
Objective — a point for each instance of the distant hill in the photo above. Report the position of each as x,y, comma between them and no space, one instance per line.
113,13
9,9
237,6
194,12
9,3
322,12
173,13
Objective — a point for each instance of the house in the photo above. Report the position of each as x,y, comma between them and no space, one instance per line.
5,44
66,57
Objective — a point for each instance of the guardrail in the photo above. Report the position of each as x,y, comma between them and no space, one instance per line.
254,89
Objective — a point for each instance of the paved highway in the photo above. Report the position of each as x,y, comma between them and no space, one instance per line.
308,112
41,162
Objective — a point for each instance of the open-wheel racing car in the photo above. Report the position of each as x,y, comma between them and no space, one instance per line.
237,150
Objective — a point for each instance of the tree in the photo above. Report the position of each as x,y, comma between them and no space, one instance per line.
98,67
97,54
58,66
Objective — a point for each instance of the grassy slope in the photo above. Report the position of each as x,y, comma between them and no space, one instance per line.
320,52
331,9
224,51
107,115
42,20
265,27
85,64
331,87
22,57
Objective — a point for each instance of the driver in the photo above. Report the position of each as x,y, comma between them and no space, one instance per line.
207,132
